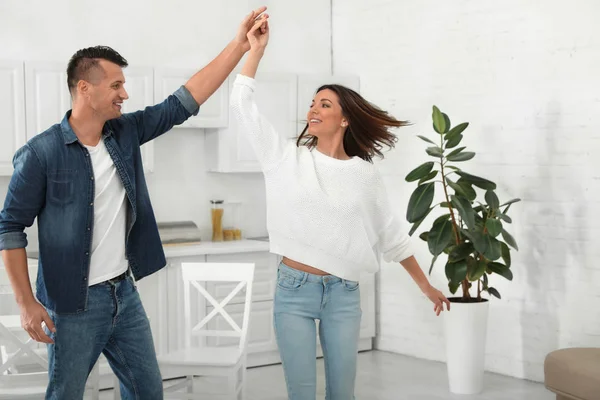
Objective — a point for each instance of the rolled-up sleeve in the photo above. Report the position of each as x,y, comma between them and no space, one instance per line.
156,120
25,197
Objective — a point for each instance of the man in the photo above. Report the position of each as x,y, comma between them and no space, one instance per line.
83,180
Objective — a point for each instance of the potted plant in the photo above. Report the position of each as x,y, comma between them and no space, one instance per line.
471,236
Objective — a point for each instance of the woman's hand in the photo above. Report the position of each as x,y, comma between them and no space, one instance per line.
437,298
258,36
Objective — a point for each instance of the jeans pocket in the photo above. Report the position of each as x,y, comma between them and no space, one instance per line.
288,282
133,284
350,285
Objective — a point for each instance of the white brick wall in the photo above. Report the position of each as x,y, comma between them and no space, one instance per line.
524,74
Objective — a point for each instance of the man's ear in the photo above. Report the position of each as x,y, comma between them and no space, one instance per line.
83,87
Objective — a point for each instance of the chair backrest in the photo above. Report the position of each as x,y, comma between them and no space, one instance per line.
193,276
8,305
22,360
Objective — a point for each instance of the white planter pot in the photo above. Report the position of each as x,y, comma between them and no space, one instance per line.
465,330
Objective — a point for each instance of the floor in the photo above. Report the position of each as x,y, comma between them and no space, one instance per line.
388,376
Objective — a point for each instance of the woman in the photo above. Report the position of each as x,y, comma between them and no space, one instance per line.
328,216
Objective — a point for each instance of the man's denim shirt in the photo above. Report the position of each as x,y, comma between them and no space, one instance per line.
53,180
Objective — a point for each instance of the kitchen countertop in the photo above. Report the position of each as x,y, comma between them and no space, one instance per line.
204,248
199,249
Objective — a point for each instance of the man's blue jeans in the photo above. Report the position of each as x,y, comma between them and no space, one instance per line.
114,324
300,299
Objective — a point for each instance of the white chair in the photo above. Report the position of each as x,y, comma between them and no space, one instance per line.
24,362
217,357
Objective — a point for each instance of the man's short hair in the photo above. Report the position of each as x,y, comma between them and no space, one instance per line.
85,61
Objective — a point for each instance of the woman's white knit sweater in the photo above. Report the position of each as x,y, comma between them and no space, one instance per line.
331,214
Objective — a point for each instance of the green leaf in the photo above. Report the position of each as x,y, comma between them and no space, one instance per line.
453,167
455,152
424,236
479,241
477,181
501,269
453,141
504,217
493,292
432,262
493,226
427,177
439,122
464,156
453,286
505,254
457,130
419,172
494,249
509,239
485,282
447,122
479,270
465,210
440,236
460,252
492,200
456,271
435,151
444,204
419,222
441,218
456,187
420,202
468,190
426,139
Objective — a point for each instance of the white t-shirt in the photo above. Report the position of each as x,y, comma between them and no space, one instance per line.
331,214
110,216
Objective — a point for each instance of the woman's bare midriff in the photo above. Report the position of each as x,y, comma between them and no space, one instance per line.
303,267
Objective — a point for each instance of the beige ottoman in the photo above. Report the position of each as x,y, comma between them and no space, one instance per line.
573,373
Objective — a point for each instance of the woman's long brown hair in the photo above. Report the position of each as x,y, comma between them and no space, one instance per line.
367,132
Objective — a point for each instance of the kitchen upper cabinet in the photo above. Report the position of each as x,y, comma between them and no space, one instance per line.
213,113
139,83
229,150
47,96
12,113
307,88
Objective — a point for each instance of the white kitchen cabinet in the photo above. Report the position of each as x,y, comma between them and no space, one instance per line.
12,113
265,274
153,291
47,96
307,88
367,305
139,83
213,113
229,150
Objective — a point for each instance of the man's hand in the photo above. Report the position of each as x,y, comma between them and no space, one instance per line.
32,316
437,298
246,25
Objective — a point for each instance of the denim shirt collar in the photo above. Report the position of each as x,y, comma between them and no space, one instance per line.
68,133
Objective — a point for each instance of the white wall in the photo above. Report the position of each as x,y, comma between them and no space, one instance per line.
524,74
175,33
